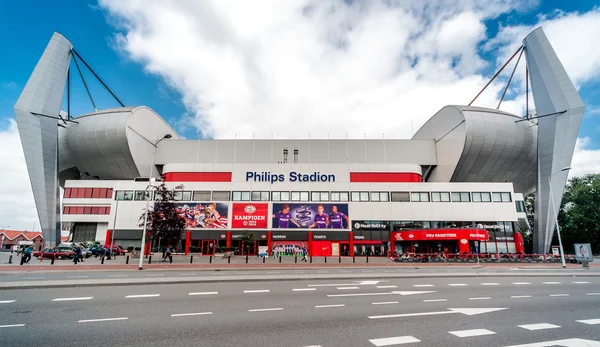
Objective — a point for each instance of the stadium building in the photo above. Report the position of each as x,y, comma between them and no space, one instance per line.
457,186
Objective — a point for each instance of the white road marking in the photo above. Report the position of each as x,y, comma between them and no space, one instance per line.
346,288
303,289
369,283
204,293
142,296
382,287
386,303
520,296
266,309
257,291
118,275
78,277
457,284
7,301
539,326
361,283
552,282
435,300
589,321
12,325
490,284
592,294
101,320
33,278
314,346
391,341
581,282
481,298
327,306
559,294
191,314
382,293
465,311
563,343
154,275
472,332
74,299
423,285
521,283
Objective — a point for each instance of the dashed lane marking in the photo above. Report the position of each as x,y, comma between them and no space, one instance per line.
118,275
346,288
592,294
142,296
589,321
328,306
559,294
472,332
435,300
552,282
7,301
204,293
12,325
391,341
581,282
521,283
481,298
74,299
490,284
458,284
520,296
423,285
191,314
101,320
257,291
386,303
382,287
303,289
266,309
539,326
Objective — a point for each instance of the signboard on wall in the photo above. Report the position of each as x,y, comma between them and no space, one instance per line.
249,216
203,215
371,225
310,215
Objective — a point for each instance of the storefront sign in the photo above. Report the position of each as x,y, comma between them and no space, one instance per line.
370,225
249,216
441,234
267,176
331,235
289,235
310,216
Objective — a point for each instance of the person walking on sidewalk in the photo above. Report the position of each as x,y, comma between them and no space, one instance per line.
168,254
304,254
77,255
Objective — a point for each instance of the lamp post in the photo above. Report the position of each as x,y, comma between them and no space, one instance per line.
141,266
114,229
562,253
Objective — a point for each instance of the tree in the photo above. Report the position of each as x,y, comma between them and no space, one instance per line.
579,215
164,222
248,240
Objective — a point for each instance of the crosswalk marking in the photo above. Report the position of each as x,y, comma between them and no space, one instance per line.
392,341
472,332
539,326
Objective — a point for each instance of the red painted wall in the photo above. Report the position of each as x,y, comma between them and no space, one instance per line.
197,177
384,177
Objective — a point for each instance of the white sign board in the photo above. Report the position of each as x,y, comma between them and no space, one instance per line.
583,252
555,250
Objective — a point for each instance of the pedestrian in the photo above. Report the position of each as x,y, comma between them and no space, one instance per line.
168,254
76,256
80,249
275,253
28,252
304,254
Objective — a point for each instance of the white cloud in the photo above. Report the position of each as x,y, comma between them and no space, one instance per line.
16,201
585,160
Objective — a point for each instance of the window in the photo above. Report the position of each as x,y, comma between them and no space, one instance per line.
319,196
182,195
380,196
400,197
124,195
461,197
260,196
360,196
419,196
440,196
202,195
501,197
339,196
220,196
481,197
300,196
241,196
520,206
280,196
139,195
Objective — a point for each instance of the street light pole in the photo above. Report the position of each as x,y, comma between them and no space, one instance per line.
114,229
562,252
145,227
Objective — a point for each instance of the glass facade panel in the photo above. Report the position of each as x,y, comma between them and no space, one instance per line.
219,196
384,196
202,196
355,196
400,197
496,197
304,196
375,196
285,196
506,197
364,196
276,196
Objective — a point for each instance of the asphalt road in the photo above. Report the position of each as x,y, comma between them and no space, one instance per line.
390,312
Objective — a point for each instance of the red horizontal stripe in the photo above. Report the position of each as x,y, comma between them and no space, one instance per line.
197,177
381,177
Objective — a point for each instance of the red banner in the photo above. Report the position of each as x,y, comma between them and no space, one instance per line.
441,235
249,216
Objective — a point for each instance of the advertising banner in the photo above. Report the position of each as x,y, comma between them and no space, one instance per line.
361,225
441,235
583,252
310,215
203,215
249,216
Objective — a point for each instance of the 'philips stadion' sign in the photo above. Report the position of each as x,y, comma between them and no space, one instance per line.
292,177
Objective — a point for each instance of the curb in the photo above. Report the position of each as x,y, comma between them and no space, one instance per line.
271,278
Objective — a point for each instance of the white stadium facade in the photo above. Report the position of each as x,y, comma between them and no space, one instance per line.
457,186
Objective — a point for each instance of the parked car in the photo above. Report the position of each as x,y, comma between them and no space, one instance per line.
54,253
85,252
98,251
116,249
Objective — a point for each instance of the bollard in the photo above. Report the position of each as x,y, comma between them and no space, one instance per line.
353,259
228,259
246,257
311,259
295,260
127,260
101,260
325,260
150,259
367,258
170,259
340,258
52,261
280,259
191,259
210,259
264,259
10,260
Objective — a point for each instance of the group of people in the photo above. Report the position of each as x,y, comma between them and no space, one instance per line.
293,250
78,257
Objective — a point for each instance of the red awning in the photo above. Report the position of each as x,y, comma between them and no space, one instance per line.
441,235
